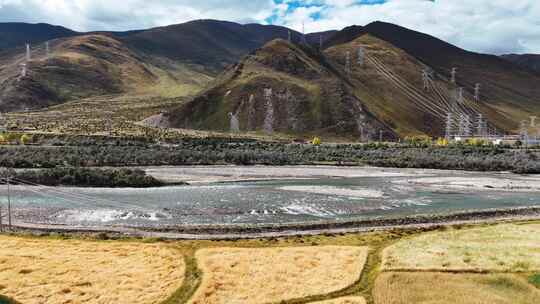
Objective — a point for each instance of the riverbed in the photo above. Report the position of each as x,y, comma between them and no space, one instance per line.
232,195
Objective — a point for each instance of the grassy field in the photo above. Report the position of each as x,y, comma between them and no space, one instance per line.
274,269
62,271
123,112
448,288
495,248
233,275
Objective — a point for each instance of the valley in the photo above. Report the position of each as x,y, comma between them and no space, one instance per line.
217,162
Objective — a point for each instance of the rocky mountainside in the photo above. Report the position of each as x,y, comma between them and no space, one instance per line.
170,61
526,61
251,78
380,92
281,88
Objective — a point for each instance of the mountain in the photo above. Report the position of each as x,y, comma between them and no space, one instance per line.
506,88
209,44
15,34
222,64
382,94
526,61
75,68
176,60
283,88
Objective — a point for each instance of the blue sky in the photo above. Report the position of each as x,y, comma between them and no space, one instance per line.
489,26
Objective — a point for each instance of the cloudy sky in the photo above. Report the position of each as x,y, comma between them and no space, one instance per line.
489,26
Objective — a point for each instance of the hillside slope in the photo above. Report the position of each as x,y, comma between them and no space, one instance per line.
76,68
281,88
506,87
391,85
526,61
210,44
16,34
171,61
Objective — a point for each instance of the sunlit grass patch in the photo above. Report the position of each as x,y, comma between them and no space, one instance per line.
446,288
508,247
267,275
68,271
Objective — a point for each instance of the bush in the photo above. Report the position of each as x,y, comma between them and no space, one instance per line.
86,177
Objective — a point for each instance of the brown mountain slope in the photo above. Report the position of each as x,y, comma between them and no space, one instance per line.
76,68
285,88
89,65
506,87
526,61
390,84
209,44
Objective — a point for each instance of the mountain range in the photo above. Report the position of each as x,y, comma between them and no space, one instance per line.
360,82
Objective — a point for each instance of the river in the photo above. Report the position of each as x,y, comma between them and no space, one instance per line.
267,195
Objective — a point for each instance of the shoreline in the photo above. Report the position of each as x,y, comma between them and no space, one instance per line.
231,232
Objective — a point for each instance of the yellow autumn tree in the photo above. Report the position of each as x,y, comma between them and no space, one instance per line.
26,139
442,142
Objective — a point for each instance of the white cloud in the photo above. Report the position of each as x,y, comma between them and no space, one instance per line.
89,15
492,26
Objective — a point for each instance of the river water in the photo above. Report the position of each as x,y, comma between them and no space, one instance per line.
285,198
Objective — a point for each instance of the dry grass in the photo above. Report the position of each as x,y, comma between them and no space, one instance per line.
238,275
446,288
506,247
345,300
62,271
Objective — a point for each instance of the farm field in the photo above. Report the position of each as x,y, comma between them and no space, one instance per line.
320,269
449,288
507,247
63,271
232,275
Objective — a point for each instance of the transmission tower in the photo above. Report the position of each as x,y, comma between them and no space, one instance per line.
269,117
449,125
426,77
524,131
3,123
453,73
465,125
23,70
480,126
361,56
459,95
348,63
28,56
477,92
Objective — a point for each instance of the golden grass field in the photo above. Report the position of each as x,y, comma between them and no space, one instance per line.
267,275
507,247
333,269
447,288
345,300
68,271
